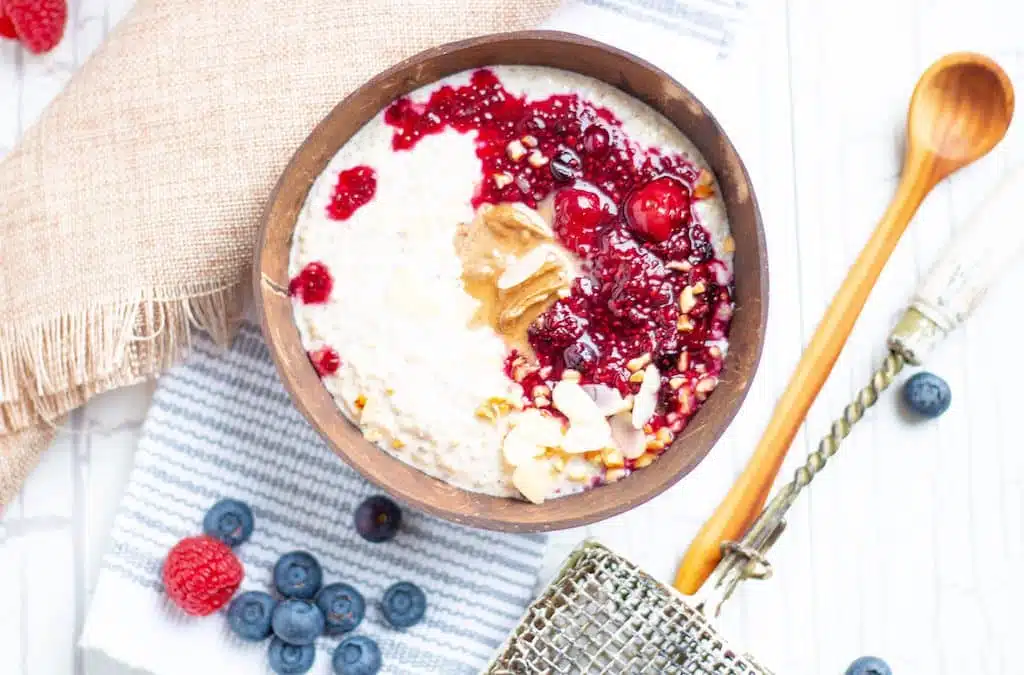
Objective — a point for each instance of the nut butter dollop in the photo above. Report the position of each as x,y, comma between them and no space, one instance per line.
513,266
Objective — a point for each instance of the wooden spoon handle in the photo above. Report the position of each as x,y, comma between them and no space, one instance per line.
747,497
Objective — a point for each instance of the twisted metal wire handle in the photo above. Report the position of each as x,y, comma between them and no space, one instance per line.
746,559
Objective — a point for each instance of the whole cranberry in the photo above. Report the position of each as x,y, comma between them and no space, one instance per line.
579,215
656,209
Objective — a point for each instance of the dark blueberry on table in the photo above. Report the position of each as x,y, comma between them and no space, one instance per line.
230,521
356,655
927,394
286,659
343,607
403,604
249,615
869,665
581,355
297,622
378,519
565,166
298,575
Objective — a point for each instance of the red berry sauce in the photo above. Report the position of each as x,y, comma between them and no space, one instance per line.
313,285
325,360
355,187
624,210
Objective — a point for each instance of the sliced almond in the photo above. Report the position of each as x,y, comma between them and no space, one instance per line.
647,398
580,438
533,263
534,480
573,402
631,441
529,141
729,244
679,265
517,449
537,159
608,399
686,300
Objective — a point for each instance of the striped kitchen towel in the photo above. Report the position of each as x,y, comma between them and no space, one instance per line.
221,425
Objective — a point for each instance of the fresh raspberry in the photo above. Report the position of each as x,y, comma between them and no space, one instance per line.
325,360
6,27
201,574
656,209
39,24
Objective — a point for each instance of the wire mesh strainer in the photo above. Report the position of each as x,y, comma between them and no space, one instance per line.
603,614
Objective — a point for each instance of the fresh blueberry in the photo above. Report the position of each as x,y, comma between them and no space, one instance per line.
297,622
404,604
927,394
249,615
356,655
343,607
565,166
298,575
378,519
286,659
869,665
230,521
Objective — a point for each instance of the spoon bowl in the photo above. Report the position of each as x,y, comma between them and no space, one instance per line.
961,107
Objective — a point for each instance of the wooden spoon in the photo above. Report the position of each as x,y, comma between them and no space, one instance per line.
961,107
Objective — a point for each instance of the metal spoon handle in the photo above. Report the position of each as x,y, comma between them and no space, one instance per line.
972,260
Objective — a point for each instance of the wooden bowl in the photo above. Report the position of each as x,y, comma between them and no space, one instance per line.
541,48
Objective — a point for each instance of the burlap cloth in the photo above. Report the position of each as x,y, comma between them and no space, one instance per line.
129,210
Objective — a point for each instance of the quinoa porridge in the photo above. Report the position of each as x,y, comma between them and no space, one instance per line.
518,280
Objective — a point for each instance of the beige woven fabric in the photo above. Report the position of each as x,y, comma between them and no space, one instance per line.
129,210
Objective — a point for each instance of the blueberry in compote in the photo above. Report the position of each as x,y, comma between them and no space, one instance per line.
581,355
565,166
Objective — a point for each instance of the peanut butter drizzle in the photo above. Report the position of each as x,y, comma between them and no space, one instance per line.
499,240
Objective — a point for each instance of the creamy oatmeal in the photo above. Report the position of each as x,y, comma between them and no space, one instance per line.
517,280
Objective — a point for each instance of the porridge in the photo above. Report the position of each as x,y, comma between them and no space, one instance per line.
518,280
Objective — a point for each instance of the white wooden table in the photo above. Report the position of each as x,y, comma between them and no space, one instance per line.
908,545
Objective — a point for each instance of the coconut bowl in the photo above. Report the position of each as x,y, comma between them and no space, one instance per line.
407,484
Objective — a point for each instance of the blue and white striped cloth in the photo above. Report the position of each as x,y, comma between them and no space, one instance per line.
221,425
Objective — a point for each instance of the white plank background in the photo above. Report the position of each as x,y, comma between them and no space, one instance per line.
909,547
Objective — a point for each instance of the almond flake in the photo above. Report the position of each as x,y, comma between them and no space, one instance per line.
534,480
582,438
537,159
608,399
529,141
627,438
647,398
573,402
686,299
679,265
676,382
537,260
706,385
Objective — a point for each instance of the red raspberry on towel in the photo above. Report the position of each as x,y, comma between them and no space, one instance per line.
201,574
38,24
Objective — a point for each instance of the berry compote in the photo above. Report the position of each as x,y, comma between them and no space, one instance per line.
651,287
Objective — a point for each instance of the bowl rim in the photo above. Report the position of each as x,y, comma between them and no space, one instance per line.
406,483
